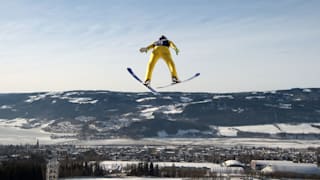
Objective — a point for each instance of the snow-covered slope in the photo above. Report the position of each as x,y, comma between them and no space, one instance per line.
293,113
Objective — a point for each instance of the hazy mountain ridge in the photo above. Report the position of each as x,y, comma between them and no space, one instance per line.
105,114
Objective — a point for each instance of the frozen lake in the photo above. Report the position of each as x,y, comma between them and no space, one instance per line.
16,136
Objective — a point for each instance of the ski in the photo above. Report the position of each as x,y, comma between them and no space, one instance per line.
153,91
186,80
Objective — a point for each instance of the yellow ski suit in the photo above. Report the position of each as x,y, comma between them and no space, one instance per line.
164,53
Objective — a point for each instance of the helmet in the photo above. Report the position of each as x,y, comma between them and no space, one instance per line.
162,37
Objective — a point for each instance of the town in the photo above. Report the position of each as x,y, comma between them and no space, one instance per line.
118,160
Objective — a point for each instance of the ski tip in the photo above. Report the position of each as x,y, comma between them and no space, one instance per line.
129,69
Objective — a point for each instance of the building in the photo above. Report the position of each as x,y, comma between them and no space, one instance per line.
301,169
260,164
288,168
52,170
233,163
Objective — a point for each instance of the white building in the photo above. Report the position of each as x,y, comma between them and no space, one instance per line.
269,167
260,164
294,168
233,163
52,170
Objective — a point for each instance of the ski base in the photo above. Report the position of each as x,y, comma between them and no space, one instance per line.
183,81
153,91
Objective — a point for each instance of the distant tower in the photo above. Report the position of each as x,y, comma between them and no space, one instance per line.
38,145
52,170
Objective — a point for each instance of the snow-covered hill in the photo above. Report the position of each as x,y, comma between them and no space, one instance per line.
293,113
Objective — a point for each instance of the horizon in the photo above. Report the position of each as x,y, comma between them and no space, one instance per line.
161,92
236,46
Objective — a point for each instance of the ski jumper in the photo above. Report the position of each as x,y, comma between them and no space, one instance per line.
161,50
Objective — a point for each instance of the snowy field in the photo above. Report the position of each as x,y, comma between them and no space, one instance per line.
12,132
17,136
302,128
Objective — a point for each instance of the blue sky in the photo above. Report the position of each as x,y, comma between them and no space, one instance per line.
235,45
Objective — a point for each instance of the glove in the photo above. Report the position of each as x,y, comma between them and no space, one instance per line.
142,50
177,51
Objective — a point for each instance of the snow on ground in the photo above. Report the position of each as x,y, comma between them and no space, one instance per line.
167,97
173,109
148,112
65,127
182,132
59,95
169,109
201,102
146,99
285,106
5,107
162,134
238,110
18,122
73,93
303,128
185,99
76,100
223,96
227,131
268,128
13,132
42,96
270,92
255,97
307,90
35,98
94,127
281,106
13,135
85,118
82,100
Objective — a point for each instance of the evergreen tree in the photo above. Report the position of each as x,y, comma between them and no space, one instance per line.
146,168
157,171
151,170
140,169
173,170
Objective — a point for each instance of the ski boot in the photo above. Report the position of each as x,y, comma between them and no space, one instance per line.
147,82
175,80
